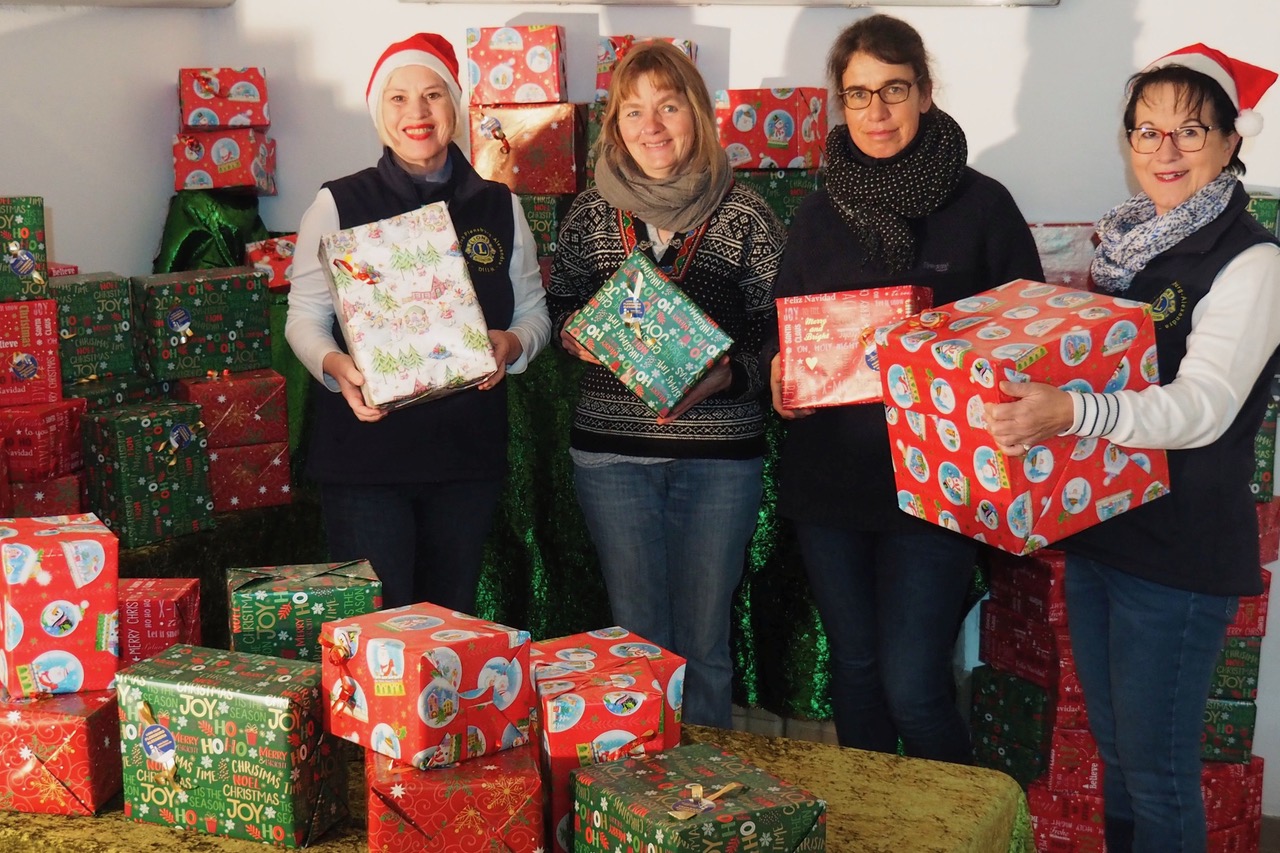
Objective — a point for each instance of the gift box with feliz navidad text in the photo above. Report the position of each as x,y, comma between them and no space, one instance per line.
42,441
221,159
156,613
535,149
772,128
940,367
516,65
426,685
58,601
222,97
24,260
30,371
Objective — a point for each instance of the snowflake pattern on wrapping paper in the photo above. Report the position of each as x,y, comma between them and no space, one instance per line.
469,819
505,792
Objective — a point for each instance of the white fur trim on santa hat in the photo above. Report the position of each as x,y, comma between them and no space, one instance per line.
400,60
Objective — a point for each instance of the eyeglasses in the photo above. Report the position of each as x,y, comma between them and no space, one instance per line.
1187,139
893,92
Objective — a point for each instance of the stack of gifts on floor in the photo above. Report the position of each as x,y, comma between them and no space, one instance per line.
222,138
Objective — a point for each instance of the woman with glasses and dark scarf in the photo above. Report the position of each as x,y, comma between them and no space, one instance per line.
899,206
1151,592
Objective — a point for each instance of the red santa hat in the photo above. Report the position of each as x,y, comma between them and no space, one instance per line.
1244,84
427,49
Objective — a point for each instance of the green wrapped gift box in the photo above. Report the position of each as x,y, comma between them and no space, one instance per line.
782,189
24,268
117,391
93,325
544,214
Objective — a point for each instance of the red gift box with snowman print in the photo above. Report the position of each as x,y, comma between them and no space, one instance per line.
940,367
516,65
220,159
426,685
61,754
611,49
274,257
222,97
772,128
57,604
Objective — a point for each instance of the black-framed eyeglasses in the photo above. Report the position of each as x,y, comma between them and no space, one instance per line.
1187,139
893,92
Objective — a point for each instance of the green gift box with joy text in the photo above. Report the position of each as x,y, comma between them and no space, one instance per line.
94,314
24,261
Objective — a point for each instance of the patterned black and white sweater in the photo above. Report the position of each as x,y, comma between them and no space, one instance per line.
727,267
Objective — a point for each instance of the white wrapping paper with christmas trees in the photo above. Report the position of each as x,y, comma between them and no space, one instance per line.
406,307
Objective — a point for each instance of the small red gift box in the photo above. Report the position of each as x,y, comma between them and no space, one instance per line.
30,370
248,476
494,805
219,159
156,613
1031,586
827,355
612,48
516,65
1251,616
275,258
41,441
59,754
426,685
57,496
535,149
222,97
239,408
1032,651
59,604
1074,764
1074,806
939,368
57,269
1066,251
772,128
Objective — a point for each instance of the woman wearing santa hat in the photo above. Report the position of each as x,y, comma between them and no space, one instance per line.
414,490
1150,593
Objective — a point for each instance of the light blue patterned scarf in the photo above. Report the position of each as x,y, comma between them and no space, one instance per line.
1132,234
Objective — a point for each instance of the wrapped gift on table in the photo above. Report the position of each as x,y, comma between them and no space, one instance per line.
1228,730
59,602
29,365
545,213
59,754
724,804
94,313
611,49
249,476
115,391
493,805
148,471
426,685
41,441
280,610
772,128
24,269
1066,251
782,189
275,258
239,408
201,321
406,306
156,613
228,743
516,65
222,97
644,330
55,496
827,354
939,368
221,159
535,149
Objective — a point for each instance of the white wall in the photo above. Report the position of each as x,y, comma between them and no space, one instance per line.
88,106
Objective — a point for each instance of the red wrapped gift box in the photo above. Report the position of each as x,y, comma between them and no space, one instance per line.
535,149
30,370
1040,653
275,258
827,355
1030,586
6,491
1074,764
1072,806
218,159
1268,532
60,754
426,685
1232,792
222,97
57,496
939,368
772,128
42,441
612,48
516,65
57,269
493,805
1251,616
59,604
239,408
1066,251
248,476
156,613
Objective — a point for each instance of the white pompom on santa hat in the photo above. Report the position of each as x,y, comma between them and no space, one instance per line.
427,49
1243,83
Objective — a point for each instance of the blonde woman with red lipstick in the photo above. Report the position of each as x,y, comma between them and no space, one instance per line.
414,490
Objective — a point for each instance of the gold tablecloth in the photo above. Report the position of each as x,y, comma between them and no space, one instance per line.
875,803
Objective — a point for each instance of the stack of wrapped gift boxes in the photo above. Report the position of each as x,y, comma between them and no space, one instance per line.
222,139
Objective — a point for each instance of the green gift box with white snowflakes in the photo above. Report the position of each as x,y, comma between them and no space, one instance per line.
1228,731
203,321
94,317
24,268
406,306
232,744
116,390
693,798
278,610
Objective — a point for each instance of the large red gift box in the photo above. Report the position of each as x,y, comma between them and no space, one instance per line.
59,754
59,604
516,65
56,496
427,685
827,355
274,257
535,149
30,369
219,159
772,128
611,49
1031,586
248,476
156,613
239,408
222,97
493,805
41,441
940,367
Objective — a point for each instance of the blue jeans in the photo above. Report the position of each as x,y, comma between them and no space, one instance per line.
892,605
425,540
1145,653
672,539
